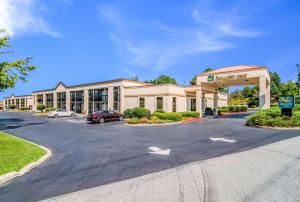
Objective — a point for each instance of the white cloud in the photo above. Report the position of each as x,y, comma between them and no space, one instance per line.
21,16
168,44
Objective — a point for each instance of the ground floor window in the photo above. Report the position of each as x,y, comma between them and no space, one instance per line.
18,103
159,103
49,100
61,100
76,101
98,99
174,104
39,99
142,102
193,104
22,102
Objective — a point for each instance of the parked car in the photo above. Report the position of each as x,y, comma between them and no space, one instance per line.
8,109
60,113
104,115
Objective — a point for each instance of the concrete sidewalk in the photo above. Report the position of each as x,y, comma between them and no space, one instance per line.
269,173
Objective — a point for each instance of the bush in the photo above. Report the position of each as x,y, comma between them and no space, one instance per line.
231,108
40,107
190,114
159,111
12,106
133,121
297,107
252,103
50,109
272,118
244,108
297,101
174,116
24,108
139,112
128,113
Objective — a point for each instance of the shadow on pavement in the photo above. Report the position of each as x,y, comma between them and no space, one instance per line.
14,123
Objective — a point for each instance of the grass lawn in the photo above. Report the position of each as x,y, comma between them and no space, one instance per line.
16,153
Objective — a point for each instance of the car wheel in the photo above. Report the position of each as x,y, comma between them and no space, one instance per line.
56,116
73,114
101,120
121,118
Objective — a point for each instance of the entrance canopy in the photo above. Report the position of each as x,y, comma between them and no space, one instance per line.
238,76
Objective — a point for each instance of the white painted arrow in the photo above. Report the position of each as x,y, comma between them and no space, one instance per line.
222,139
156,150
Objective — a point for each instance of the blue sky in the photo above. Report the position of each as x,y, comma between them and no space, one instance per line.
86,41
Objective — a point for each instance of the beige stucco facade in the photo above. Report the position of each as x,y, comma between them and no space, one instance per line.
25,101
122,94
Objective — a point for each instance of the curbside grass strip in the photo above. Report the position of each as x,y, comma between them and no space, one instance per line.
158,124
10,176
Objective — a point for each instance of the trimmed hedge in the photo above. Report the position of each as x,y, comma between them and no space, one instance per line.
174,116
137,112
24,109
272,118
50,109
40,107
190,114
233,108
12,106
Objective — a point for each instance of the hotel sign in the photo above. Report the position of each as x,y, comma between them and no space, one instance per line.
286,102
231,77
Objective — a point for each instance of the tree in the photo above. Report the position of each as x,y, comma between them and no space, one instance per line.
298,79
163,79
289,88
11,72
208,69
135,78
276,84
41,107
193,82
247,92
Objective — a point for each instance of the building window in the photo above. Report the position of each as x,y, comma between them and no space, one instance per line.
76,101
193,104
49,100
174,104
39,99
6,104
18,103
98,99
22,102
142,102
116,98
159,103
61,100
9,103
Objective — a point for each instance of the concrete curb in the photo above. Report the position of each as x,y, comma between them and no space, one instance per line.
10,176
275,128
159,124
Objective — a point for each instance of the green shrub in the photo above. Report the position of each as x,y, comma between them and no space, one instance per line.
297,101
160,111
128,113
244,108
252,103
133,121
238,108
24,108
272,118
12,106
139,112
169,116
50,109
297,107
231,108
40,107
190,114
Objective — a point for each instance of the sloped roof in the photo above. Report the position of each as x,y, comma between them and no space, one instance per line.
235,68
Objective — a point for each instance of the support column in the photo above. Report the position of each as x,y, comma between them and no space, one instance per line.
216,98
122,99
68,103
44,99
199,101
264,93
54,100
86,101
110,98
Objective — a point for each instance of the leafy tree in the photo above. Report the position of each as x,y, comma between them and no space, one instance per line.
276,84
208,69
236,94
163,79
12,106
193,82
298,79
41,107
11,72
247,92
223,89
289,88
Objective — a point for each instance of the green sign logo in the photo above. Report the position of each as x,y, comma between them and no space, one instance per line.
287,102
211,78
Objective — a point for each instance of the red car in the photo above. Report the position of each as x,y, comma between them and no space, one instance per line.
105,115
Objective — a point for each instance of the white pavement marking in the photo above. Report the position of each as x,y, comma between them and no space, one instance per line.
76,121
156,150
222,139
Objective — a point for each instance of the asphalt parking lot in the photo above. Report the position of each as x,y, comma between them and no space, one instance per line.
89,155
